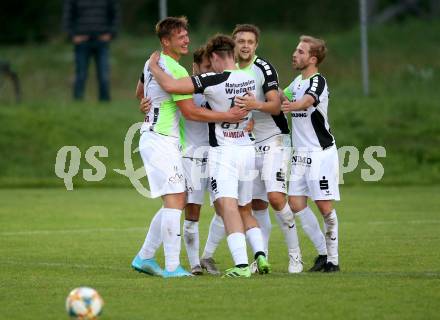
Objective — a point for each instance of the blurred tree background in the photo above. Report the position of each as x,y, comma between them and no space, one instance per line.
36,21
404,75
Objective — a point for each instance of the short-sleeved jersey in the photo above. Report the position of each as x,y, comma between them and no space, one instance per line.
266,77
220,90
164,114
194,134
310,128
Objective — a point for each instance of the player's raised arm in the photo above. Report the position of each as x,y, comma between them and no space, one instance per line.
168,83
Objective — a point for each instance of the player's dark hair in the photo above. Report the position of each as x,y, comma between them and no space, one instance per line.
318,47
220,44
246,28
198,55
167,26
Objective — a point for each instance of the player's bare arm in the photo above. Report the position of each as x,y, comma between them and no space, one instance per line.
191,112
168,83
301,104
271,105
139,90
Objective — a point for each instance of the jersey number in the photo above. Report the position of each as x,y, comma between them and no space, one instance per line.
227,125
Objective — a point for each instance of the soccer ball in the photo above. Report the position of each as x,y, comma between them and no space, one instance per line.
84,303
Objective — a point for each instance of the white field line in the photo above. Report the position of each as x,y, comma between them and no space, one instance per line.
69,231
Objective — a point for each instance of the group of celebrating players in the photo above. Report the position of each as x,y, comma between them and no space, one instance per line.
224,130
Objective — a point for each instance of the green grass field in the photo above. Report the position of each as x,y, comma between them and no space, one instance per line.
53,240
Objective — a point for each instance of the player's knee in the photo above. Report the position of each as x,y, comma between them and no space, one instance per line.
296,206
175,201
324,206
258,204
277,200
192,212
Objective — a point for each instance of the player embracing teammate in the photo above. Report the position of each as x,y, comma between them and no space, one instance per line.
251,83
159,147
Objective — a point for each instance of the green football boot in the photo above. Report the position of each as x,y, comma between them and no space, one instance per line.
263,265
236,272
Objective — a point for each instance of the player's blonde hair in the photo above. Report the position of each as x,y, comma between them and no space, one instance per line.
318,47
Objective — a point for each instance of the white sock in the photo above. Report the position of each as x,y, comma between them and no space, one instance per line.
215,236
331,236
265,224
286,215
255,238
311,227
290,235
171,237
237,246
191,239
153,239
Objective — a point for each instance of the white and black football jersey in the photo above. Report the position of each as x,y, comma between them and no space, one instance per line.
266,124
220,90
194,134
310,127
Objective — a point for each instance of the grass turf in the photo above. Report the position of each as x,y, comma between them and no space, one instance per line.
53,241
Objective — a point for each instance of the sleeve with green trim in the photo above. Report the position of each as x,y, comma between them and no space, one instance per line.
288,93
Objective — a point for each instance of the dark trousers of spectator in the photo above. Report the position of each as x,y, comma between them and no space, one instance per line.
99,50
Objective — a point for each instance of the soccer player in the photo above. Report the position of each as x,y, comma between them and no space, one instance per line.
159,148
195,145
315,167
194,140
231,156
272,149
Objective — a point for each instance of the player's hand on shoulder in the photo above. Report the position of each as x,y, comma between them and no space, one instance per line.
154,59
145,105
237,114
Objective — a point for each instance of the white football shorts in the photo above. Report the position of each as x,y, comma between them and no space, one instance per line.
272,162
315,174
163,163
231,172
